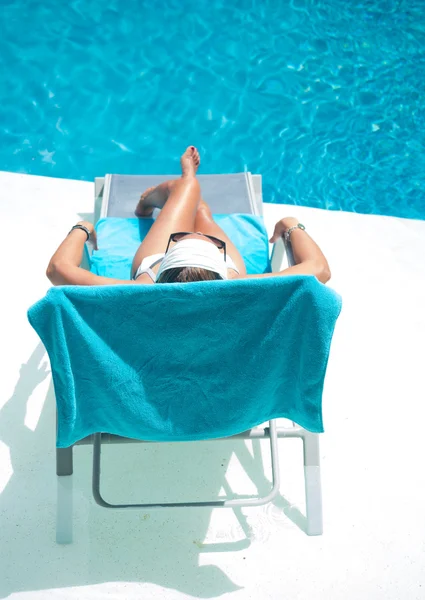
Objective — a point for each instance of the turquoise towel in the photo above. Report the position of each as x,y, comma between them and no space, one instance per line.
176,362
118,240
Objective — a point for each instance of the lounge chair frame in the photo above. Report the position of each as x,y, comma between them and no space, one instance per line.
311,454
313,494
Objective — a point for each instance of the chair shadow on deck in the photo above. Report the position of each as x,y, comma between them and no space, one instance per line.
160,547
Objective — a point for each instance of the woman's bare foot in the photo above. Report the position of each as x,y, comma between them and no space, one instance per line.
153,197
190,162
156,197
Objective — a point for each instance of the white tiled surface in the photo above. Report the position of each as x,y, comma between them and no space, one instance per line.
372,452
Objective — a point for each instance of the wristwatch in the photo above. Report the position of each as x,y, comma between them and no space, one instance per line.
291,229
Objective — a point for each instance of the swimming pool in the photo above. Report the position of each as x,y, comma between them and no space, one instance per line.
324,98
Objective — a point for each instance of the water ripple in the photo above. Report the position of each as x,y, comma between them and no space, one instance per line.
324,98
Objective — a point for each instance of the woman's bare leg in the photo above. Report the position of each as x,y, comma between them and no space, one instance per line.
179,201
204,223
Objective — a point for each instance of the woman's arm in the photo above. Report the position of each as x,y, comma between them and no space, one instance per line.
64,266
309,259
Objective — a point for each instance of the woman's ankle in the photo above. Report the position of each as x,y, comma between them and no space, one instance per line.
171,184
188,176
165,189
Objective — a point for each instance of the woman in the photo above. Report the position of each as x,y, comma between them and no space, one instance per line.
184,243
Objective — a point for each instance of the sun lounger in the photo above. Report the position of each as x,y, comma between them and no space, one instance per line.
246,195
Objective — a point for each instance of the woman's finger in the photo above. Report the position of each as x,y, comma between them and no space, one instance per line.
277,232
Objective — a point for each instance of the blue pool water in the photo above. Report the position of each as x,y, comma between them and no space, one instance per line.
325,98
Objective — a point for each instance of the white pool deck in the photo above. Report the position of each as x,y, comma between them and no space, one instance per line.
372,453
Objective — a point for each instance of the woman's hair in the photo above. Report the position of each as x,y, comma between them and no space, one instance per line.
186,274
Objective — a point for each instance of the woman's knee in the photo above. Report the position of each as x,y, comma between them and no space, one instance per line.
203,217
203,210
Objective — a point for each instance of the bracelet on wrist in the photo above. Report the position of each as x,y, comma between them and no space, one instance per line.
83,228
287,234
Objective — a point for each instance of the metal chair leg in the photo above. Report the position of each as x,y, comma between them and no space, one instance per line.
313,487
64,510
64,461
64,501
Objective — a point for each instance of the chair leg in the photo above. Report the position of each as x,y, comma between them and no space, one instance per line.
64,469
64,462
313,487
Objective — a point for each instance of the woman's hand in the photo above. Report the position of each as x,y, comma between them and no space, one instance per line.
282,226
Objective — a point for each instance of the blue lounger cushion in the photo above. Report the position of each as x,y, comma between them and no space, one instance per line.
118,240
187,361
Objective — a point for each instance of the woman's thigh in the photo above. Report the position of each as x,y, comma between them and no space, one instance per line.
178,214
204,223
